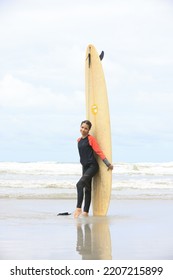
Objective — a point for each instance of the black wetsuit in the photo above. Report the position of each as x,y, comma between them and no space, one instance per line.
87,147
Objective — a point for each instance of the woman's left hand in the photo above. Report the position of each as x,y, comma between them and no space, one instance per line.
110,167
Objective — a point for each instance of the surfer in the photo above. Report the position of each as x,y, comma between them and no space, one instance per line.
87,146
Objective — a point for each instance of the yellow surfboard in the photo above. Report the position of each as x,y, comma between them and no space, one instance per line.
97,111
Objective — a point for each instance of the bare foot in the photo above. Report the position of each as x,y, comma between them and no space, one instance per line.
77,212
85,214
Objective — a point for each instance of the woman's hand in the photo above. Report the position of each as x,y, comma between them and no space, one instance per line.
110,167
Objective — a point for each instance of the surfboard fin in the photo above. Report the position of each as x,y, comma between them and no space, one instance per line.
101,55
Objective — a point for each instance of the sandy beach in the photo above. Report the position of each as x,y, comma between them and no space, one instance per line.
133,229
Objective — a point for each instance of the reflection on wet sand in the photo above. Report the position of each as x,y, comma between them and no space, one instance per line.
94,239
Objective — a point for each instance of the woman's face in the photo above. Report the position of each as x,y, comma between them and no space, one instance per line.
84,130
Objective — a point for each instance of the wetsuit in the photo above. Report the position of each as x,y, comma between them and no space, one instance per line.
87,147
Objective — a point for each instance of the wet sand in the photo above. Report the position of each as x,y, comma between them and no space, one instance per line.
132,230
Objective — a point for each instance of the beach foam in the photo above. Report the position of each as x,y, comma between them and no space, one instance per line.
58,180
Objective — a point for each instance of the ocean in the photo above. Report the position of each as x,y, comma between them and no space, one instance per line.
53,180
138,226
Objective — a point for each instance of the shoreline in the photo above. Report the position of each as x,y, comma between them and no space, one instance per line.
133,229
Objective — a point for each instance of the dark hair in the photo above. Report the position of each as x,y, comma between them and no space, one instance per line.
88,123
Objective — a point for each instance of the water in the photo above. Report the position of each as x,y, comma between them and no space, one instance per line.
58,180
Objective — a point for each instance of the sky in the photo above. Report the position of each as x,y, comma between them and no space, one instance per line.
42,78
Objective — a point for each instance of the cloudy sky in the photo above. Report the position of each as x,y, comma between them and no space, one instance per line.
42,56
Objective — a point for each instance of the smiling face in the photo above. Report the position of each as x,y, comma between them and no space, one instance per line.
84,130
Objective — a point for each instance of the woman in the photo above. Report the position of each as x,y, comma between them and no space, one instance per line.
87,146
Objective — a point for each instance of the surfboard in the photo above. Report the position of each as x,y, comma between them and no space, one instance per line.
97,111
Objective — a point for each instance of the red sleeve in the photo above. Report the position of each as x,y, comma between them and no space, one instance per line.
95,146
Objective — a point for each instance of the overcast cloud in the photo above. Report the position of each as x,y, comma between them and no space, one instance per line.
42,56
